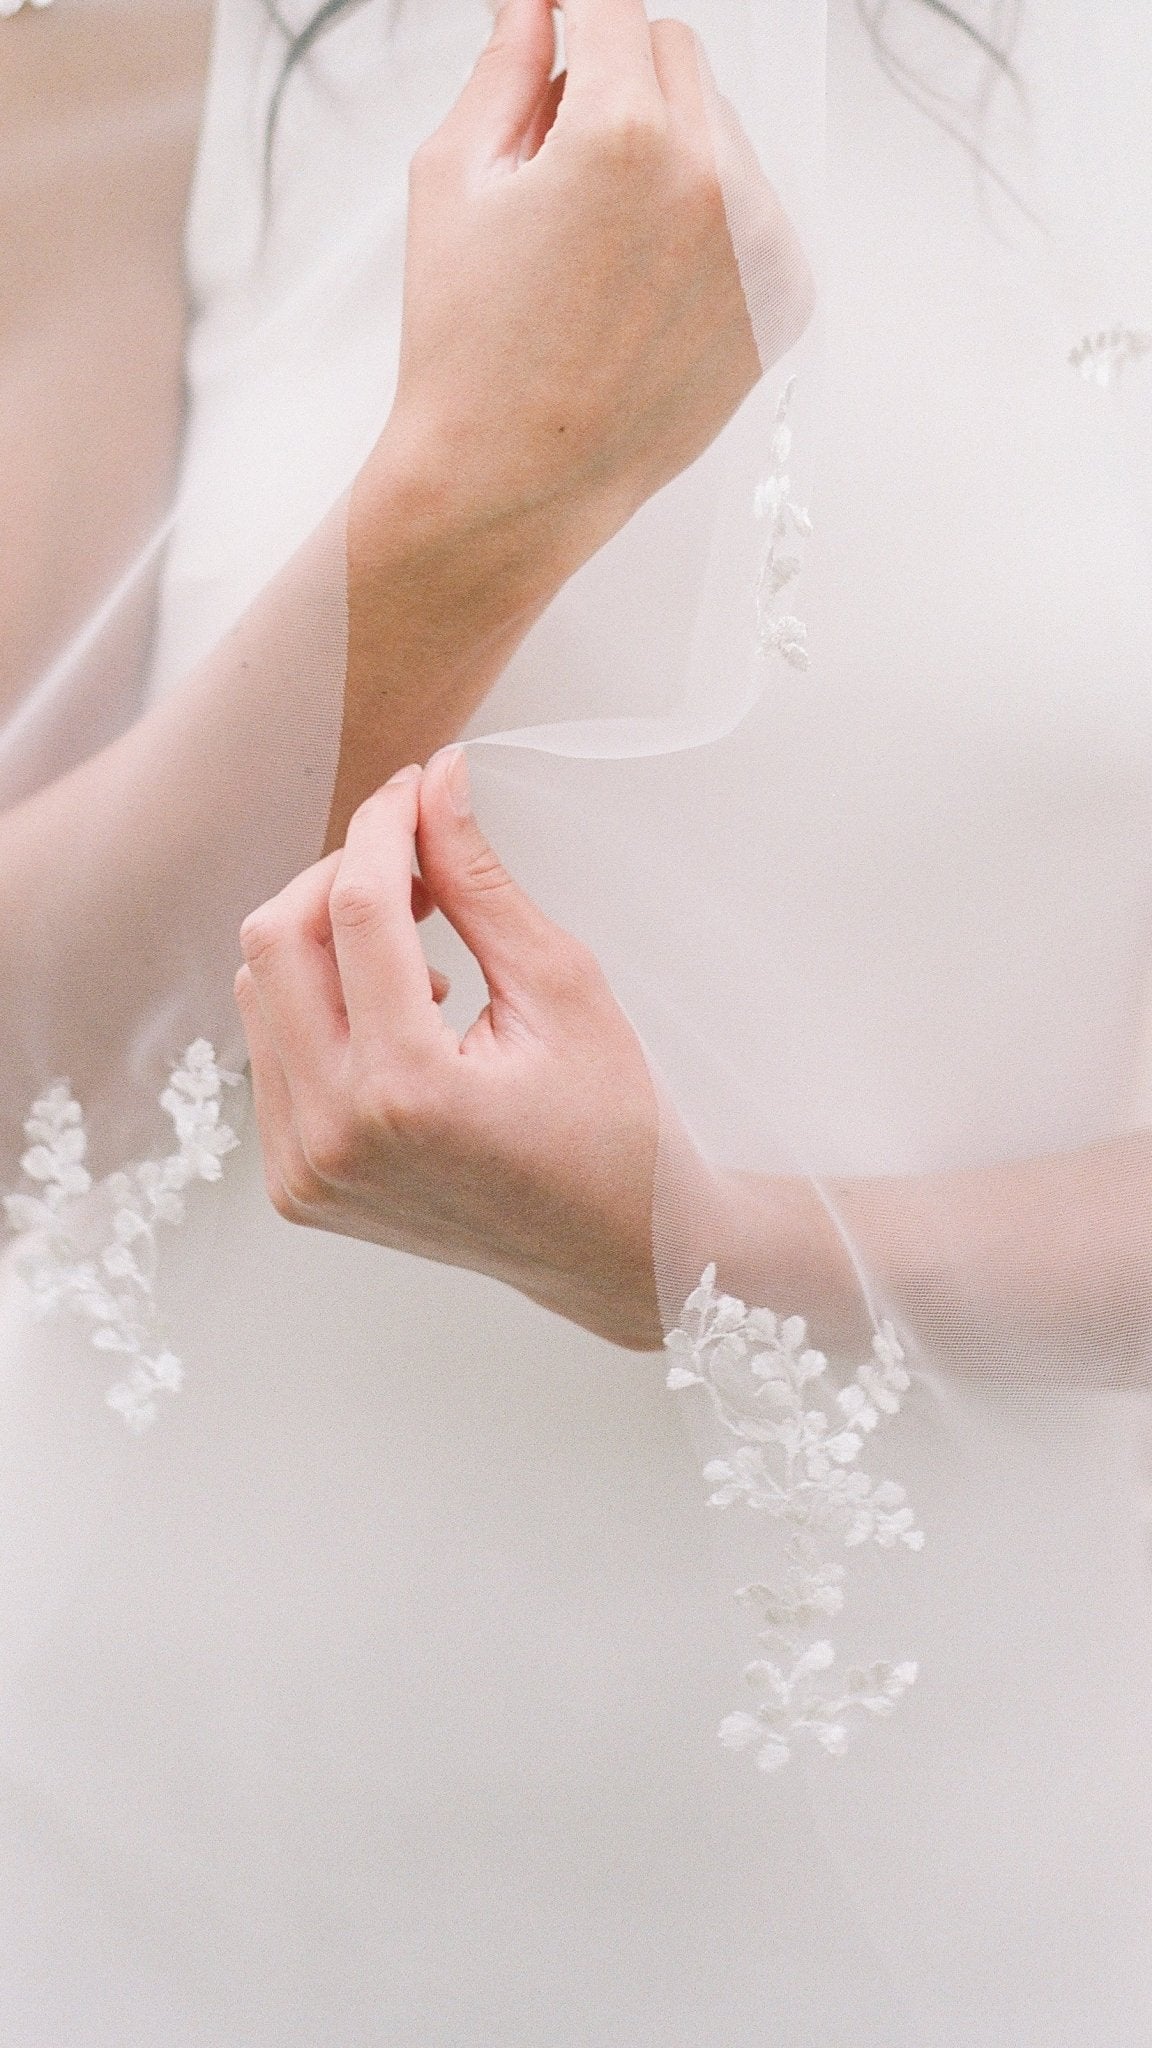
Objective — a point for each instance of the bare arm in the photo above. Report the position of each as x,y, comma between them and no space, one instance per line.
125,880
523,433
1037,1266
528,1149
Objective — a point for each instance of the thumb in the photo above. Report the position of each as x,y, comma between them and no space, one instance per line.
497,107
511,939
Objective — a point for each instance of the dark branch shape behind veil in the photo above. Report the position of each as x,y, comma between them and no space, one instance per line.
962,114
874,13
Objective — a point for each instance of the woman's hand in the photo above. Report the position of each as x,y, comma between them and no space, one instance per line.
525,1150
575,331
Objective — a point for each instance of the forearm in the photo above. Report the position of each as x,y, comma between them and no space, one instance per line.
1039,1267
441,591
123,884
1035,1266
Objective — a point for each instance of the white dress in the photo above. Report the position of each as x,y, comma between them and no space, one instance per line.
369,1701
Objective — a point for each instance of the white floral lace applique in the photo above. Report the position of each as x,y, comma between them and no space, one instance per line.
1102,358
788,521
796,1461
91,1247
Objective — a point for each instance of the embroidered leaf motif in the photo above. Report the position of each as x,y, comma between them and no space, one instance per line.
1102,358
91,1248
775,501
796,1462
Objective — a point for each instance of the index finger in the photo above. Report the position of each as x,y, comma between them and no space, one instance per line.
608,52
293,973
383,972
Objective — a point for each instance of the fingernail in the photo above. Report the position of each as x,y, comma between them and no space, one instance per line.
456,778
412,774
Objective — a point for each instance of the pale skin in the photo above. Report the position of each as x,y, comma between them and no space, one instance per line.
526,1149
574,335
466,519
567,243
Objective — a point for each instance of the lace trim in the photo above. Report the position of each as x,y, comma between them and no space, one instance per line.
781,632
797,1462
1102,358
91,1247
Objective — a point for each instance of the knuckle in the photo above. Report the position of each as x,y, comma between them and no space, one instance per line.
500,58
632,137
486,873
389,1109
705,190
354,904
672,35
260,935
400,1111
328,1143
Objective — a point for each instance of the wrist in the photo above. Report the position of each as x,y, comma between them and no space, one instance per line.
778,1246
442,585
420,506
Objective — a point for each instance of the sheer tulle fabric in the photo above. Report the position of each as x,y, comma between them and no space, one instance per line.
944,1039
840,758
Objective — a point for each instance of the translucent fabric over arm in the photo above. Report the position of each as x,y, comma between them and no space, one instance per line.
840,757
124,882
180,328
134,834
737,550
873,876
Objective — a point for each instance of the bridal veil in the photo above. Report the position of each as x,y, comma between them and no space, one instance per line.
839,756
